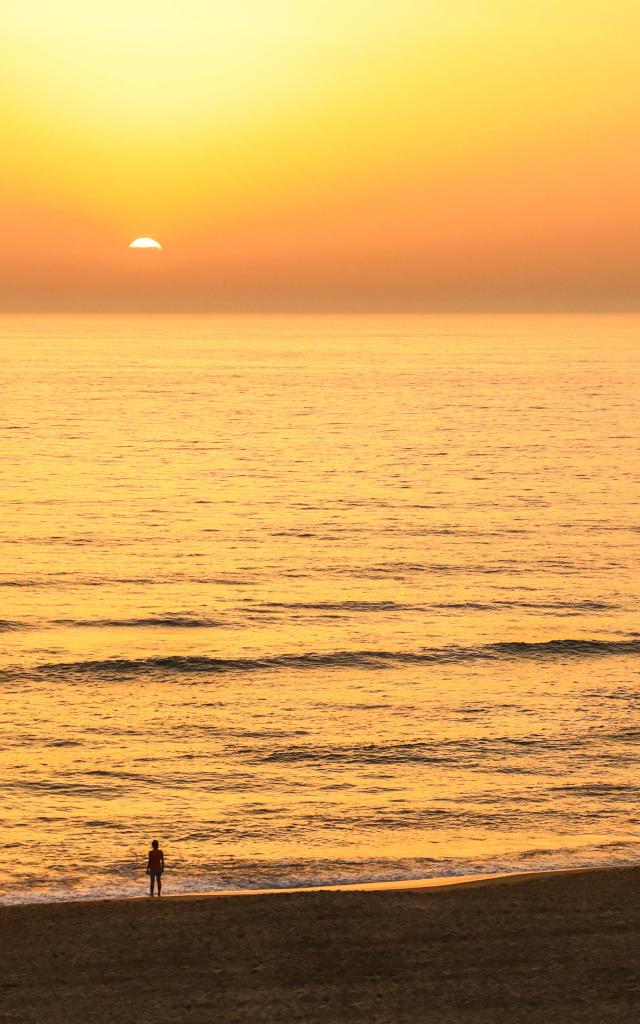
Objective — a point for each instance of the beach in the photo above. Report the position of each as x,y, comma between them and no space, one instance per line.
558,946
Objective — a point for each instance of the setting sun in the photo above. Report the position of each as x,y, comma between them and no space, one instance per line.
145,243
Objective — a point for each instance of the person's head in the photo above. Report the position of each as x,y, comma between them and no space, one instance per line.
155,844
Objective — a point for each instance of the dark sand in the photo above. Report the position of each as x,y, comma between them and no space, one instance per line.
554,948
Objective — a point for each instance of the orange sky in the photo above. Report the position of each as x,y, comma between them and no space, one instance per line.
298,154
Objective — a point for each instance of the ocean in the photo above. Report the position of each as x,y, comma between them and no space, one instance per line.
316,599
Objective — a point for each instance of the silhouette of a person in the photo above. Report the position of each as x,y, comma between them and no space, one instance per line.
155,867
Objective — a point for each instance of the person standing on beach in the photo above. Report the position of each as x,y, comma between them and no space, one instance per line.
155,867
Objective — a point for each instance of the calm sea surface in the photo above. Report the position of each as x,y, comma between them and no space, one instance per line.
316,599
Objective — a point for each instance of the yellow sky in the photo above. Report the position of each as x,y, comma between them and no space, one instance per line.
320,154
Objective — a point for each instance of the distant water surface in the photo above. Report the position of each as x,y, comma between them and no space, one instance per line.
316,599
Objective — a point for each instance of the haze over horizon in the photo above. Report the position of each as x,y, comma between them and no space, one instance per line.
290,156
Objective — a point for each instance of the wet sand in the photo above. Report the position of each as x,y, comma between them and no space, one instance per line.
557,947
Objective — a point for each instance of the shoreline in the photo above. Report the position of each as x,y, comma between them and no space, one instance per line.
439,882
398,885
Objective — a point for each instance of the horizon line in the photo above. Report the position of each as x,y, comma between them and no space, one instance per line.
323,312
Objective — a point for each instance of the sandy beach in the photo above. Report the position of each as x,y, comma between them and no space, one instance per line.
553,947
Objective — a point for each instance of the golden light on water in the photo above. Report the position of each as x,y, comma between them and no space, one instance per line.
315,598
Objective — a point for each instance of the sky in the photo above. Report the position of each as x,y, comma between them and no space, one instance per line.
337,155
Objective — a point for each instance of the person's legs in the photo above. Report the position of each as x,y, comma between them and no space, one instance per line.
152,879
159,881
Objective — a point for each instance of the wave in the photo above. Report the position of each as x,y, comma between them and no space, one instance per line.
203,665
65,579
400,570
174,621
597,789
169,620
337,606
397,606
490,606
436,752
23,583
